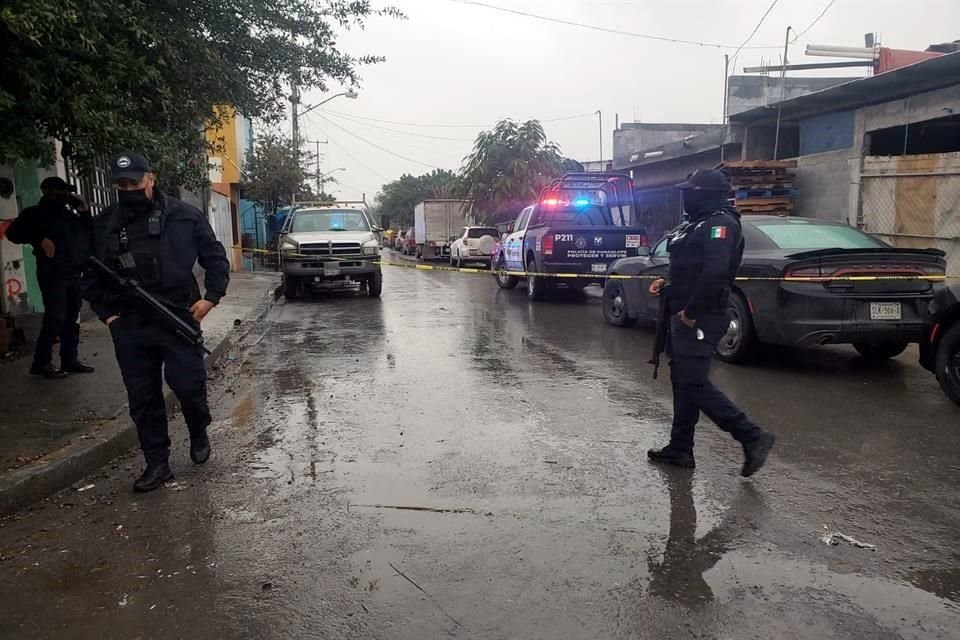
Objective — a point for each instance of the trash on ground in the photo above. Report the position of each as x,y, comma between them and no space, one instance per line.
86,487
123,600
174,486
833,538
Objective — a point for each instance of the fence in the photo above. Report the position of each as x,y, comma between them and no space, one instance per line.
913,202
94,185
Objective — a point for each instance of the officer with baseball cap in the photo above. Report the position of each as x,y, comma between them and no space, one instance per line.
156,240
59,227
705,254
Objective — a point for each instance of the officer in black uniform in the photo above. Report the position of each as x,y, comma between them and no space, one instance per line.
705,254
60,229
157,240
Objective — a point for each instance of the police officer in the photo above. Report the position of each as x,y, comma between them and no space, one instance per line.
59,227
705,254
157,240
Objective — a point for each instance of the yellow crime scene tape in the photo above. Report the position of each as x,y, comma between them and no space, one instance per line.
567,276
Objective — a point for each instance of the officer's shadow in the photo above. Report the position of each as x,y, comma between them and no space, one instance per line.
679,576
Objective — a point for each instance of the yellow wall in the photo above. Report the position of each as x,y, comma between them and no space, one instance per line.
224,138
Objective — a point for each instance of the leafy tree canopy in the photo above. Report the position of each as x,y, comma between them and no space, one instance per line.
507,169
397,199
274,172
147,74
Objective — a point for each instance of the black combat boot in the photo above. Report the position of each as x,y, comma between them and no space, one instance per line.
200,449
47,371
672,456
78,367
755,454
154,476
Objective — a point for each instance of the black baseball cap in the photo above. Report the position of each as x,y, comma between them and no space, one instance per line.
56,182
706,180
129,165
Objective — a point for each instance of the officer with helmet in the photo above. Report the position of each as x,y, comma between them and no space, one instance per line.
705,254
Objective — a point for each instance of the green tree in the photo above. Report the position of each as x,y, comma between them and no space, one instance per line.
147,74
398,198
507,169
274,172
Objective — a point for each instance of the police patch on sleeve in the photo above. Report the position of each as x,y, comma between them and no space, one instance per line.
718,233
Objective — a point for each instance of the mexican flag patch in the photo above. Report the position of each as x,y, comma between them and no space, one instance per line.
718,233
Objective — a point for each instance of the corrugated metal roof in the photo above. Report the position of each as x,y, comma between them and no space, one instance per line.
921,77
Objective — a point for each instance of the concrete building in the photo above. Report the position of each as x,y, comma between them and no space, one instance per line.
749,92
881,153
232,141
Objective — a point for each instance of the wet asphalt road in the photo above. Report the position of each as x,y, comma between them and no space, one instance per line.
451,461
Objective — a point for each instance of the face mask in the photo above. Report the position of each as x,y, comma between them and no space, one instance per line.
697,203
136,200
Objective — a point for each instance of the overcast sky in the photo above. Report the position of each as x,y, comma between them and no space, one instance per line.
452,64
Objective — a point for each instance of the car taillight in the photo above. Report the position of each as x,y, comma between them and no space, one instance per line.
547,245
804,272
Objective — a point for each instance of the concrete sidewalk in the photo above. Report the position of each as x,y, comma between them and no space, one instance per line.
53,432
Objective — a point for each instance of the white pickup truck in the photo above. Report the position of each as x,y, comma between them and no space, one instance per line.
329,247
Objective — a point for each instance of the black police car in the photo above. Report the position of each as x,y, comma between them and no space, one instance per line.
940,348
878,317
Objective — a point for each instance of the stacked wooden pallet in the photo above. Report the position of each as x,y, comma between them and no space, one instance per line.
762,186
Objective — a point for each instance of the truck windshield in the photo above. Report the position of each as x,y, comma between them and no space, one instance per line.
329,220
580,216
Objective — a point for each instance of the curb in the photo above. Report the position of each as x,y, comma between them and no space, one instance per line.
62,468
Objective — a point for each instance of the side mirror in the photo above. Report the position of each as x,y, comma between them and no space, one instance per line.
643,252
378,229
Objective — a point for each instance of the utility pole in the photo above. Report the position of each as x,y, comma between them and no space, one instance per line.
726,90
319,183
295,126
783,89
600,118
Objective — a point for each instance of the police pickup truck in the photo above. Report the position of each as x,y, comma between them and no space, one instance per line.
576,230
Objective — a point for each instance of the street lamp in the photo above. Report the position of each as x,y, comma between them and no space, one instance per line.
349,94
321,176
295,120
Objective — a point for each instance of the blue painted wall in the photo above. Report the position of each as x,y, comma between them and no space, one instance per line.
827,132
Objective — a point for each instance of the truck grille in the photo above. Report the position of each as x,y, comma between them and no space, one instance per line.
330,248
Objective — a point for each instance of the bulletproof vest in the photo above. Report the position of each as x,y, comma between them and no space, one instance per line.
687,249
138,243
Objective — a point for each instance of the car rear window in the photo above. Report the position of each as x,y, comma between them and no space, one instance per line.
479,233
796,234
590,216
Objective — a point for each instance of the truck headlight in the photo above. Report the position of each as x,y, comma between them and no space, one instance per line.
371,248
288,247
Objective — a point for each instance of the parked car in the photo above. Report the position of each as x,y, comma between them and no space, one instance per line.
580,225
329,246
474,244
940,348
878,317
409,247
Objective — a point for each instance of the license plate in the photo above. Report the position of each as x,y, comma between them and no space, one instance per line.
885,311
634,241
331,268
598,268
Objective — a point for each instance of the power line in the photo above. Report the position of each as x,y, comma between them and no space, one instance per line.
407,133
409,124
376,146
347,153
594,27
754,32
811,25
447,126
